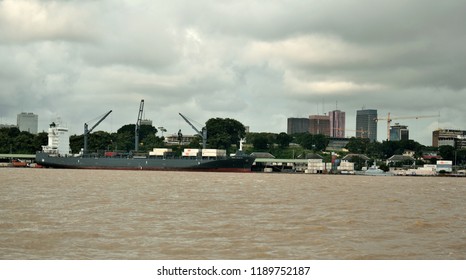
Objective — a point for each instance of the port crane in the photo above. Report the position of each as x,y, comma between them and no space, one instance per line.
138,126
87,130
202,133
389,120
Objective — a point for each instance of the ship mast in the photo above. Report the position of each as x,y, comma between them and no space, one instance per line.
138,126
203,134
87,131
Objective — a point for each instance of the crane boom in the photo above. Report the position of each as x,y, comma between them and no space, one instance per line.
138,126
389,120
87,131
203,134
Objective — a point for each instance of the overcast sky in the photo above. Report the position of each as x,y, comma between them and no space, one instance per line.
259,62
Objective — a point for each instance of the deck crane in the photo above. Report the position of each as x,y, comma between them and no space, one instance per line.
389,120
87,131
138,126
202,133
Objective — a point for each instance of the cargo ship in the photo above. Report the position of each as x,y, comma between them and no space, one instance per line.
57,155
201,161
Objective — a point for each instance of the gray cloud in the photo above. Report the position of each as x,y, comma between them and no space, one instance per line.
250,60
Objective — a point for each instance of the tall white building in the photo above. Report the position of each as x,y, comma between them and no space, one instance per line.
28,122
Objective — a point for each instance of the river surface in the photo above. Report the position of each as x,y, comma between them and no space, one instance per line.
95,214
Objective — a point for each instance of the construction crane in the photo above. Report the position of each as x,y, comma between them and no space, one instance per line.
138,126
87,130
202,133
389,120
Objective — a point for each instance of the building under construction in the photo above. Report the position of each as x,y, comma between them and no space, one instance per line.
449,137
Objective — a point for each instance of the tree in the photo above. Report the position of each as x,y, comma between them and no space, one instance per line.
144,131
23,143
100,140
447,152
384,167
15,141
260,142
222,133
320,142
306,141
41,139
358,145
316,142
151,141
461,157
123,141
390,148
283,140
5,141
374,150
76,143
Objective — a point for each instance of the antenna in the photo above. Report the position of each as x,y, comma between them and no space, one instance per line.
323,106
438,120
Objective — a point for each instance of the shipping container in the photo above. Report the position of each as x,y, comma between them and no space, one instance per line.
160,151
214,153
190,152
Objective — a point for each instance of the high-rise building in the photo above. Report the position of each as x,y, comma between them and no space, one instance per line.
399,132
337,124
297,125
28,122
447,137
319,124
366,124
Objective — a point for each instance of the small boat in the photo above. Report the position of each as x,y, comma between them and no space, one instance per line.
374,171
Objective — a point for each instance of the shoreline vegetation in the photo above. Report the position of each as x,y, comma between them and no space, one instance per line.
227,133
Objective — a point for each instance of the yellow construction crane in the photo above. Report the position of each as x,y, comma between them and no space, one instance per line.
389,120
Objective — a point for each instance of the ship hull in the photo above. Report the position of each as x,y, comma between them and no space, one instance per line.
230,164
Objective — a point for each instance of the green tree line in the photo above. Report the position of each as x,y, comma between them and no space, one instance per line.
222,134
20,142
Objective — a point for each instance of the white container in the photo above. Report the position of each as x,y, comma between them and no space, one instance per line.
159,151
214,153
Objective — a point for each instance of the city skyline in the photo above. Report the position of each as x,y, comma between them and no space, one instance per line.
291,127
256,62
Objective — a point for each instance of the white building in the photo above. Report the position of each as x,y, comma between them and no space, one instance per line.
317,166
346,166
